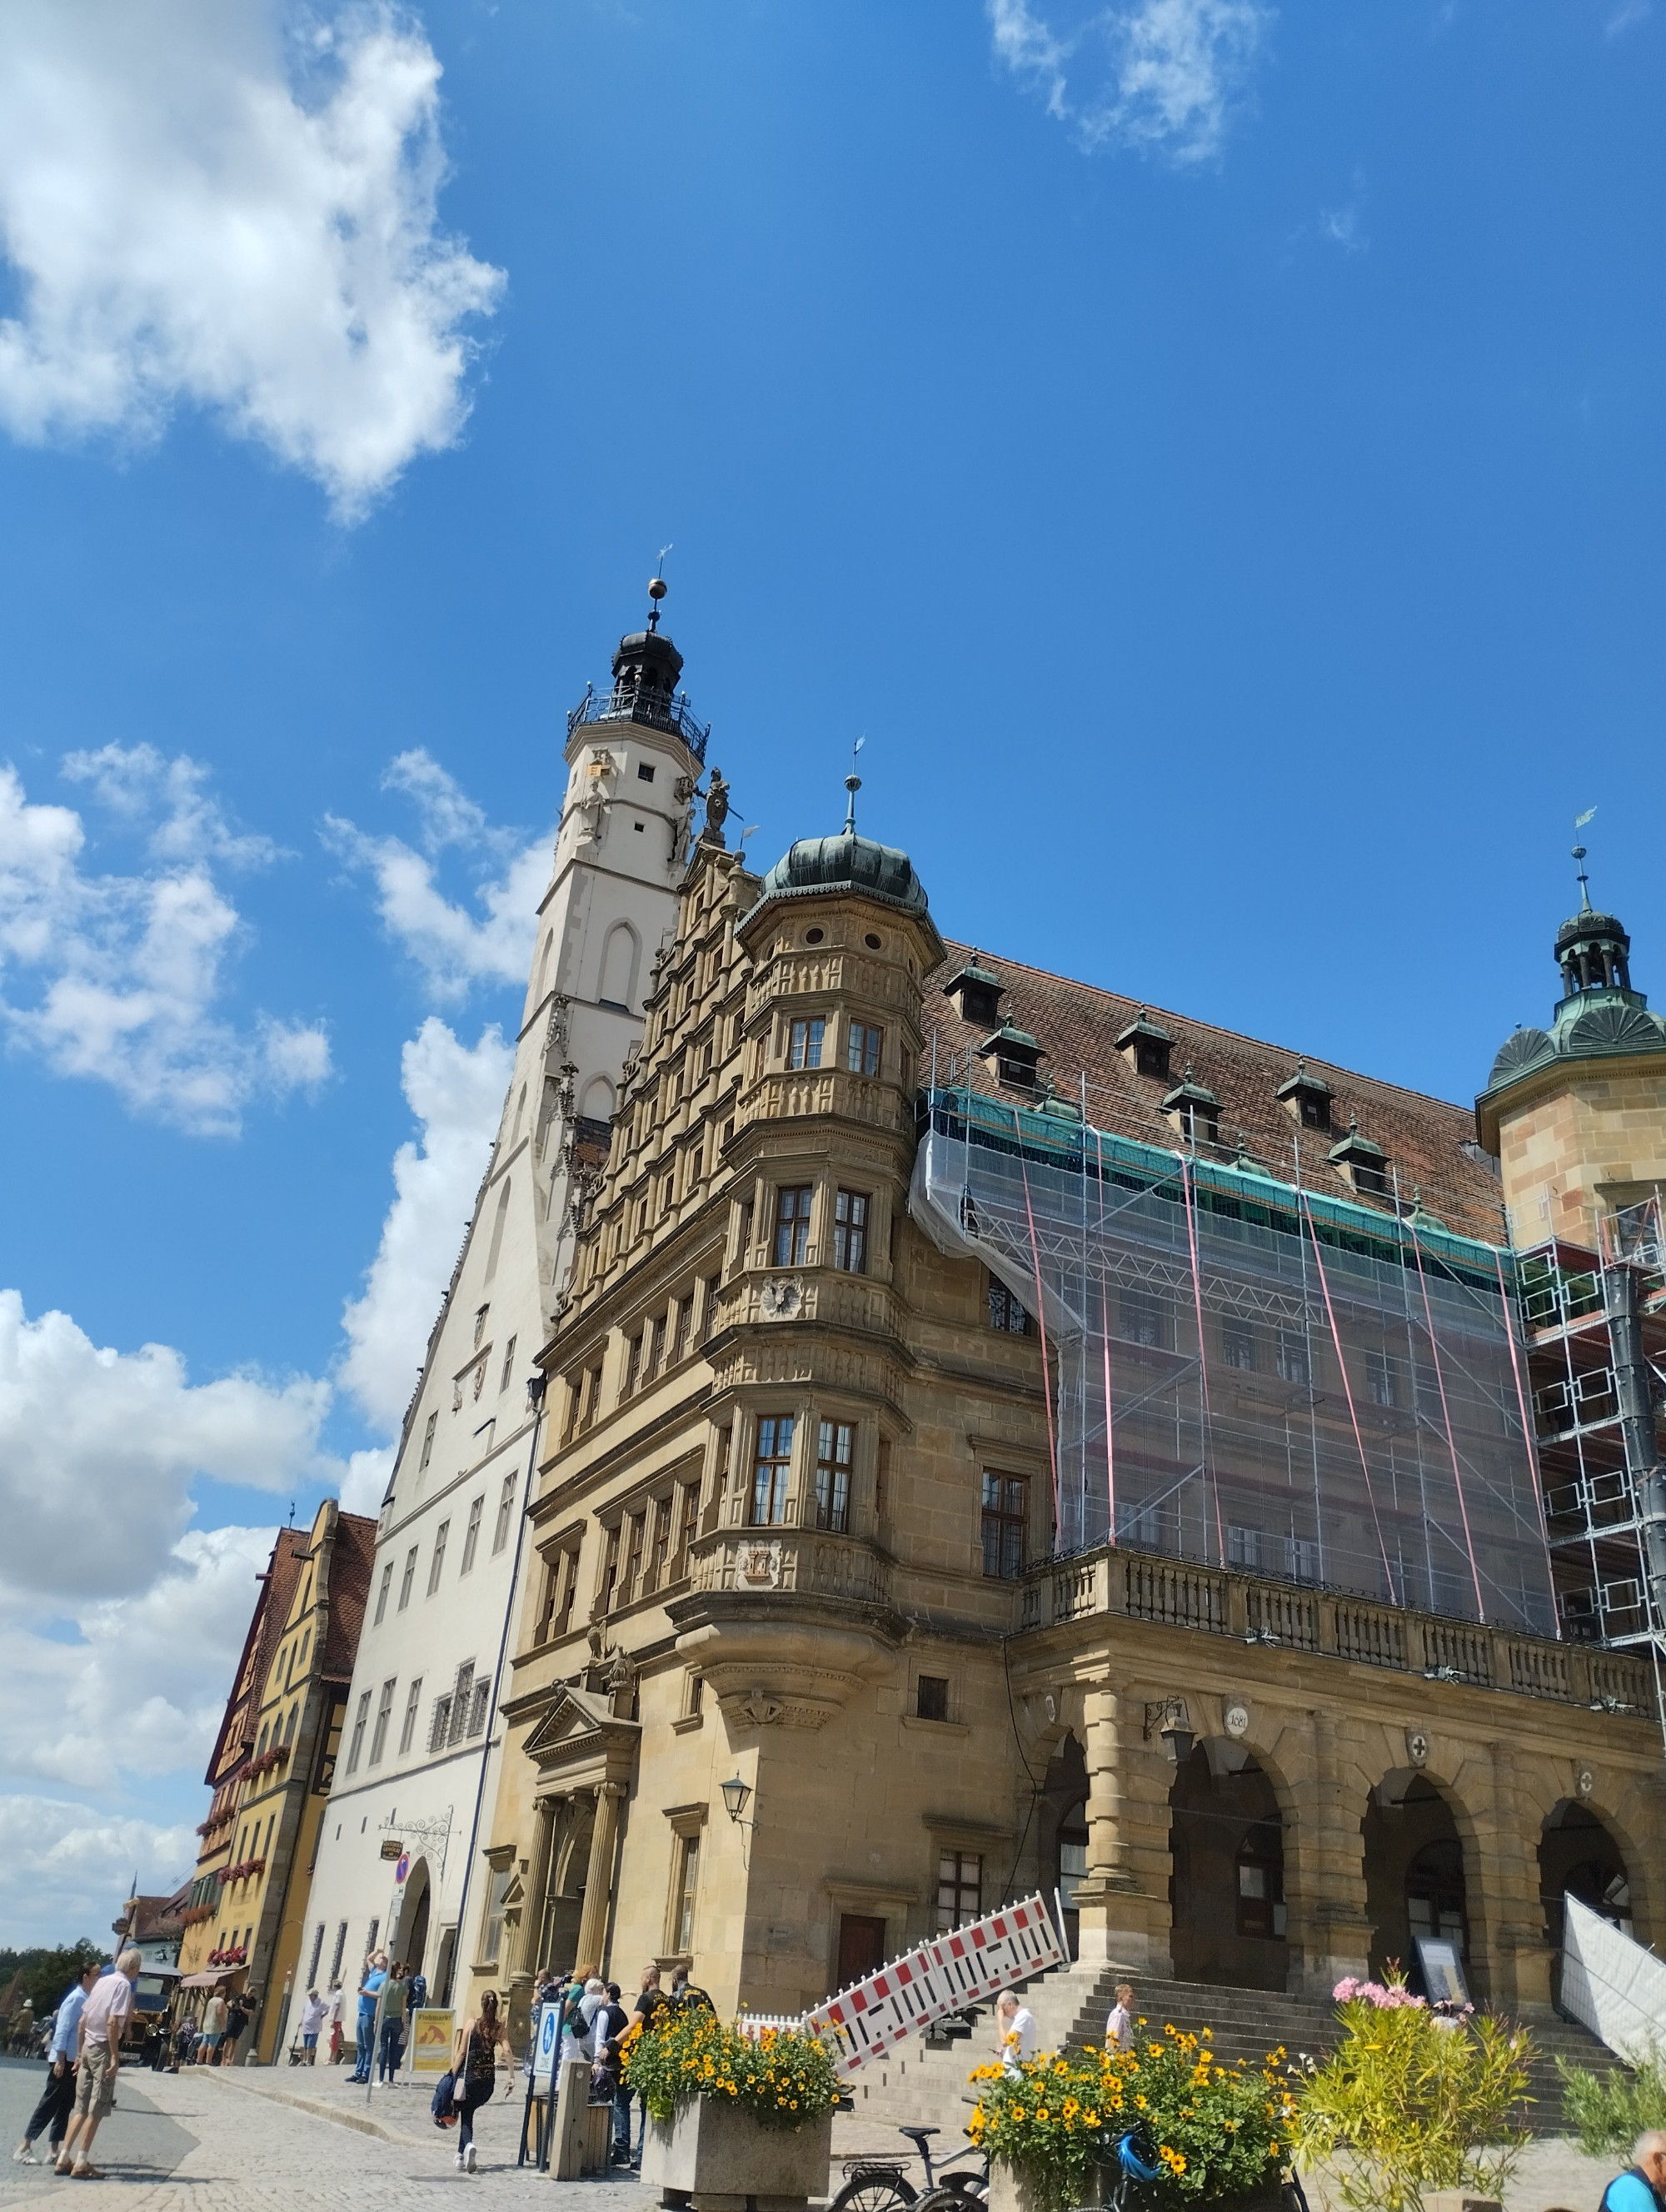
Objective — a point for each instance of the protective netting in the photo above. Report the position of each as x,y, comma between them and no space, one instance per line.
1250,1375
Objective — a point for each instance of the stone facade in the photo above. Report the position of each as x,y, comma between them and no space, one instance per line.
1575,1143
792,1527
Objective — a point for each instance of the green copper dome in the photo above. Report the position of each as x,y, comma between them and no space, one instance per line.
1599,1015
846,863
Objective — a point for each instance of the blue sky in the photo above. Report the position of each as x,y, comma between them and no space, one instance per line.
1213,452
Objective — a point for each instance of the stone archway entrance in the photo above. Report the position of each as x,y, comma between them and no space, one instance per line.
1578,1854
409,1935
1414,1874
1226,1891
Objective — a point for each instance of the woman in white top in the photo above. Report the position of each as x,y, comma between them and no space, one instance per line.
1016,2033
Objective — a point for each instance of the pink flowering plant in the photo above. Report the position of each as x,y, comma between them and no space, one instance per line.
1413,2097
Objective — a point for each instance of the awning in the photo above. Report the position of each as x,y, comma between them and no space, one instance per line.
206,1981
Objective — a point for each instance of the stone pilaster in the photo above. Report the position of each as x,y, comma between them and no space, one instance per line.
1123,1900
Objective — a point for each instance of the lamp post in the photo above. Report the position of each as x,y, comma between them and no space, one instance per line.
735,1793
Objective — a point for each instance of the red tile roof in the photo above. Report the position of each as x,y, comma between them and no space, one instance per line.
350,1565
1077,1024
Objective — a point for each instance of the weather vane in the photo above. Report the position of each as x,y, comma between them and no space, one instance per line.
853,784
657,588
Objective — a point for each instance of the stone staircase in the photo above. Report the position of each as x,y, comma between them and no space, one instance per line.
923,2083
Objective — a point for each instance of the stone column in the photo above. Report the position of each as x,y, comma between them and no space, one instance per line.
527,1961
1123,1913
1329,1926
599,1881
1509,1958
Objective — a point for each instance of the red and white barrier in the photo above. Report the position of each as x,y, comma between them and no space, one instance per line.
966,1966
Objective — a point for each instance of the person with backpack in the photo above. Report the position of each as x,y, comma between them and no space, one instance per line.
474,2072
689,1996
1642,2186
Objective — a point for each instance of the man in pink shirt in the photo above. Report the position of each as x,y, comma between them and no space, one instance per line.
103,2017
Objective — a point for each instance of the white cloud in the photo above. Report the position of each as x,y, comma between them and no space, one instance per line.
1161,76
232,204
64,1867
453,947
99,1448
456,1092
1627,18
116,977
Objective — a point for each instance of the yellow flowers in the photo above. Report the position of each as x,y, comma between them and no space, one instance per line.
782,2078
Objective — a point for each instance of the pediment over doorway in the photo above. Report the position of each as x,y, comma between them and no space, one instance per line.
579,1740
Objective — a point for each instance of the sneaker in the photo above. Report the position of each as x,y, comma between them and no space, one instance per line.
461,2166
472,2166
24,2155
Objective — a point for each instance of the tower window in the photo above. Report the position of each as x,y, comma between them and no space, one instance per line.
772,1470
803,1043
644,772
850,1232
793,1225
834,1449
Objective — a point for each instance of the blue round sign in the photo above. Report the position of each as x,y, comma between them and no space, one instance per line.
403,1867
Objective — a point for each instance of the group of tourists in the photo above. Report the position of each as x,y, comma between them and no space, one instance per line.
83,2056
213,2039
392,1990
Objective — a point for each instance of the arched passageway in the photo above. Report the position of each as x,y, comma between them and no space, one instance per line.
410,1933
1414,1874
1578,1854
1226,1891
1063,1812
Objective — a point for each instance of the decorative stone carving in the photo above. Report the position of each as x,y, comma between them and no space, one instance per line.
1235,1719
1417,1747
781,1298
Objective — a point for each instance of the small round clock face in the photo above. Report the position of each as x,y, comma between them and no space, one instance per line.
1236,1718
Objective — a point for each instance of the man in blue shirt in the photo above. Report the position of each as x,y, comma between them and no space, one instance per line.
59,2097
370,1990
1641,2187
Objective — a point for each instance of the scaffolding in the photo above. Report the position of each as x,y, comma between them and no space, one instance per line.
1252,1374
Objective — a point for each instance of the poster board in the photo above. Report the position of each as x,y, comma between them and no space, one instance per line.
1442,1971
433,2033
546,2041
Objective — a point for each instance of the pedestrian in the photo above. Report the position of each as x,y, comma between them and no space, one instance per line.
1016,2033
474,2067
417,1996
606,2074
337,2002
1642,2186
687,1994
184,2042
371,1985
313,2014
395,1991
1119,2027
215,2016
575,2027
108,2008
651,2000
237,2019
57,2098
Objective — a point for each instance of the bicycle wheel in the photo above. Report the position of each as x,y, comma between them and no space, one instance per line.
876,2189
967,2193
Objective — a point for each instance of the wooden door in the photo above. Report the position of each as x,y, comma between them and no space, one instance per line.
861,1947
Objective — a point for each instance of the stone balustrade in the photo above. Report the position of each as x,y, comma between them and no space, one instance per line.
807,1561
1175,1594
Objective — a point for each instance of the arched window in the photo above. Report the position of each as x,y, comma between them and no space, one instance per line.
597,1104
619,984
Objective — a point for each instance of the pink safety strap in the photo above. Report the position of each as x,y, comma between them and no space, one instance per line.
1202,1357
1104,1345
1041,1323
1446,1418
1398,1598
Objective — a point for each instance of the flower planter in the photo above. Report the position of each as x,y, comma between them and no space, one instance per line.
1013,2191
720,2155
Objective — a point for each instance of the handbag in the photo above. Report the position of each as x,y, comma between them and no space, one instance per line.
444,2090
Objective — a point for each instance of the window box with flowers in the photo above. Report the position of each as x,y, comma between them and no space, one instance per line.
731,2114
1218,2135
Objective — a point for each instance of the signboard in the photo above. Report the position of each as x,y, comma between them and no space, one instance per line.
966,1966
393,1848
546,2041
433,2034
1443,1970
403,1867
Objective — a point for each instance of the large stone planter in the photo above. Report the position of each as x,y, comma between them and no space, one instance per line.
718,2155
1011,2191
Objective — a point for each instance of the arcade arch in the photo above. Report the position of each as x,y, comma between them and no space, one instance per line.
1227,1890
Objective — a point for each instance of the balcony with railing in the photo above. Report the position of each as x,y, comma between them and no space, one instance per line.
646,704
1141,1586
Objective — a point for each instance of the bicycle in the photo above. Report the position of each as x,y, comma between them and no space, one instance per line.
880,2185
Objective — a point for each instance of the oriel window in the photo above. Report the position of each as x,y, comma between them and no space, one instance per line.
803,1043
850,1232
863,1049
772,1470
792,1224
835,1443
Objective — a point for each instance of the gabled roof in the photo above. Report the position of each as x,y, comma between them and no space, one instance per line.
1078,1026
277,1587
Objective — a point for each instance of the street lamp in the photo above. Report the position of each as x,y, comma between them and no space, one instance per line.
735,1794
1169,1720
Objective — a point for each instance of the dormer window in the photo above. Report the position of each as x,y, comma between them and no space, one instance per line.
1146,1046
1308,1097
1016,1055
976,992
1195,1111
1361,1163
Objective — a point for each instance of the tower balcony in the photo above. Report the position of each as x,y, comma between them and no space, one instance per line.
647,706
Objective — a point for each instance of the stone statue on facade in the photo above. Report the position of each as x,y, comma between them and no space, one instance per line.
717,809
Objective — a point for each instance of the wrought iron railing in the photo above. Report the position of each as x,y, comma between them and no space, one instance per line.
653,708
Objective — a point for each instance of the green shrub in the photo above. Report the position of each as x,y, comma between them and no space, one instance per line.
1609,2112
1408,2101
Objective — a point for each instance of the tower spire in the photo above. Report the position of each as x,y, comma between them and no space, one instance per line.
1584,880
